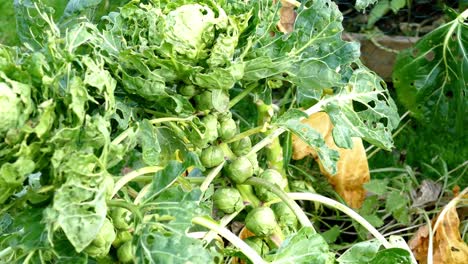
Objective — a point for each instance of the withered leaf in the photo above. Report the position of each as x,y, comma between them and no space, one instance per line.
353,168
448,247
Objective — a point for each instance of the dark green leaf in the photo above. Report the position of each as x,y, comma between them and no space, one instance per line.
431,78
392,256
305,246
291,121
361,252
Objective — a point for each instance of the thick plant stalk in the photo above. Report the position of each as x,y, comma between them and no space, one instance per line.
274,151
343,208
132,175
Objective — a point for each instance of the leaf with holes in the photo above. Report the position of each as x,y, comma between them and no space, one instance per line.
431,78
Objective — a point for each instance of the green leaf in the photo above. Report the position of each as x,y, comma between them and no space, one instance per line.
362,252
398,204
362,109
220,100
181,207
165,178
392,256
378,11
362,4
13,175
170,145
159,247
332,234
396,5
78,6
377,186
291,121
30,24
79,206
431,78
149,143
305,246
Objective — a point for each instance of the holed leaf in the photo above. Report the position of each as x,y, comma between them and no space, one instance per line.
431,78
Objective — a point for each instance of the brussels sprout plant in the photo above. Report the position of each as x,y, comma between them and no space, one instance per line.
123,138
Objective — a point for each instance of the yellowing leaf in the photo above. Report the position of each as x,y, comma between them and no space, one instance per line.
448,247
353,169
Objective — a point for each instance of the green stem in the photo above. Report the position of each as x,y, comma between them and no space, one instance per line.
227,151
132,175
222,223
248,195
343,208
278,131
210,177
5,252
170,119
241,95
229,236
247,133
129,206
267,140
301,216
122,136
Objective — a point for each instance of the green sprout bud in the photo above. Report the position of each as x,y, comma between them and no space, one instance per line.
122,237
261,221
211,128
228,200
287,220
241,147
212,156
118,216
204,101
240,169
253,160
188,90
125,252
227,128
271,176
258,245
100,246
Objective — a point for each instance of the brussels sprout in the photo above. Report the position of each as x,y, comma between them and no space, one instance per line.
204,101
286,217
257,244
212,156
188,90
261,221
253,160
271,176
10,109
122,237
228,200
227,128
211,128
241,147
125,252
189,31
118,215
239,170
100,246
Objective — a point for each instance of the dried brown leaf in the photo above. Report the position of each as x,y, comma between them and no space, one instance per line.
419,244
353,168
448,247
